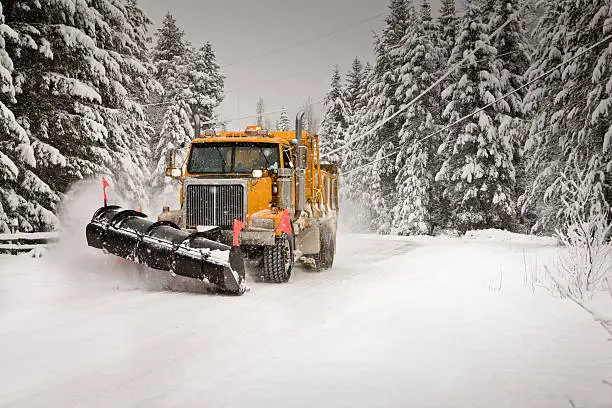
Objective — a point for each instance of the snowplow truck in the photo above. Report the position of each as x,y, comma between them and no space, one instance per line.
253,194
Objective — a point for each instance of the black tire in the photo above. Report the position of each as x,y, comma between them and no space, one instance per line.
278,260
325,258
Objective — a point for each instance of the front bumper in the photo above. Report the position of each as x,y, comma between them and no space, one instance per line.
257,238
250,237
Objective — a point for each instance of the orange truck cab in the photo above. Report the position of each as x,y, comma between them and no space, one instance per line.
272,185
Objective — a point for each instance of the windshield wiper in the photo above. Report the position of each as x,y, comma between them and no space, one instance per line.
222,159
265,158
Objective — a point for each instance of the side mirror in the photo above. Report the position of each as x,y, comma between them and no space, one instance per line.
172,171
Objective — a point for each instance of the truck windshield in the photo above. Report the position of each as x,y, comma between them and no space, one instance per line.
217,158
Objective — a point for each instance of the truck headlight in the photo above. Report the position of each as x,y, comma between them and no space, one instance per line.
267,223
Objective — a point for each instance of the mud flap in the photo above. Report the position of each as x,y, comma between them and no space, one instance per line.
308,241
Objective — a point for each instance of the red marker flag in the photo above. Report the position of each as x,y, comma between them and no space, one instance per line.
104,185
238,226
284,225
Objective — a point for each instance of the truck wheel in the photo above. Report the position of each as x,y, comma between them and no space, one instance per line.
278,260
325,258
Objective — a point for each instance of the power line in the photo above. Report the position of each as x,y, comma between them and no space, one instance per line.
288,47
212,122
425,92
545,74
319,37
260,85
380,124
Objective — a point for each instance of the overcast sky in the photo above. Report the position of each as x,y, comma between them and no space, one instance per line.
241,29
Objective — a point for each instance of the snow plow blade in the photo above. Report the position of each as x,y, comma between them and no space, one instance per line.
163,245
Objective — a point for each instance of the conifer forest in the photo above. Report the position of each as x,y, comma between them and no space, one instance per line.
482,114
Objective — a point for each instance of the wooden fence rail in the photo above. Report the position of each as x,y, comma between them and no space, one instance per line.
20,242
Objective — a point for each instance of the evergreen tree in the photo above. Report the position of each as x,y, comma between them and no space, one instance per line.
513,59
284,124
570,133
129,132
193,84
416,162
170,41
203,81
383,102
447,23
19,187
260,110
355,87
426,19
477,172
335,119
74,69
354,191
513,51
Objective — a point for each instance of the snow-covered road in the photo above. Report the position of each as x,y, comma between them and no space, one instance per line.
396,322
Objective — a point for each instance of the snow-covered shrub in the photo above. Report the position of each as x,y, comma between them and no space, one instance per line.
586,265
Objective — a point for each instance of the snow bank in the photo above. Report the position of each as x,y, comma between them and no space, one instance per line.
489,235
497,235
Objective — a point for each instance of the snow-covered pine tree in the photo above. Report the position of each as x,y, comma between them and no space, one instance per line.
284,124
354,156
260,109
202,83
174,129
208,89
354,190
383,102
129,132
513,59
446,35
355,94
447,23
170,43
193,84
335,119
73,68
354,87
416,207
19,207
477,172
571,127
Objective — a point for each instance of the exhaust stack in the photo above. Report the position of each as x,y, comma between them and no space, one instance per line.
298,126
196,126
301,155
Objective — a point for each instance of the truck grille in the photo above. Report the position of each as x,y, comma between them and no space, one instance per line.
214,205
